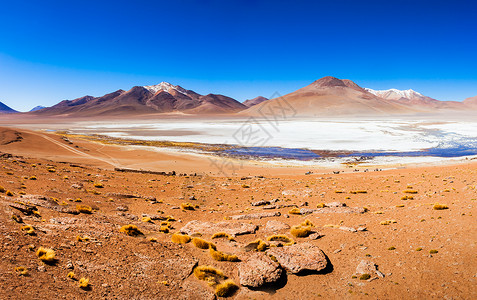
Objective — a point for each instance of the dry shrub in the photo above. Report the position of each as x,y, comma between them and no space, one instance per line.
28,229
85,209
164,229
22,271
257,245
9,193
410,191
223,235
226,288
294,211
46,255
209,274
98,185
202,244
438,206
180,238
131,230
146,219
300,231
187,206
71,275
387,222
82,239
321,205
407,197
83,283
220,256
281,238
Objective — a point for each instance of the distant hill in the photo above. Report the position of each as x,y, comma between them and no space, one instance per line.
254,101
6,109
330,96
37,108
160,98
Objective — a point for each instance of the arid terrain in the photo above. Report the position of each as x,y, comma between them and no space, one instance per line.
393,234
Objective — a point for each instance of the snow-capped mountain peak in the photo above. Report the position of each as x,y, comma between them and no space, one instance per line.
395,94
165,86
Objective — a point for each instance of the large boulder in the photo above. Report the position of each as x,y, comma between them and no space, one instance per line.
231,228
299,257
257,270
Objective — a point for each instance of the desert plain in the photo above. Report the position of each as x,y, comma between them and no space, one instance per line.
349,232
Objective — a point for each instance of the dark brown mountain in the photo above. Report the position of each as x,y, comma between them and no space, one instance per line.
5,109
161,98
254,101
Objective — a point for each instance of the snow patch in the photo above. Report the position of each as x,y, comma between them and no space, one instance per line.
165,86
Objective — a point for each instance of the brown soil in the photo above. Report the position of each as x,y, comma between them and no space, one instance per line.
134,267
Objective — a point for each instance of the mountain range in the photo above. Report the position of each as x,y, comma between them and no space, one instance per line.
5,109
328,96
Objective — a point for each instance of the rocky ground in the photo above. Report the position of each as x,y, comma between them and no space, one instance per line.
368,235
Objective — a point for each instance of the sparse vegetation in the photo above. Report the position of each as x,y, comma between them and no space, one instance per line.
222,235
180,238
257,245
22,271
187,206
387,222
410,192
85,209
71,275
28,229
202,244
209,274
364,277
226,288
438,206
9,193
294,211
82,239
98,185
433,251
220,256
281,238
130,230
321,205
83,283
146,219
46,255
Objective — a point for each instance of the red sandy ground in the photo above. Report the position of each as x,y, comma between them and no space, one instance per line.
121,266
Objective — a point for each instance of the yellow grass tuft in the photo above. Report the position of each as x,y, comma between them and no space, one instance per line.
32,178
146,219
51,170
223,234
321,205
407,197
164,229
9,193
433,251
28,229
294,211
187,206
364,277
202,244
220,256
387,222
98,185
2,189
281,238
82,239
300,231
438,206
209,274
83,283
85,209
131,230
46,255
71,275
226,288
22,271
180,238
410,191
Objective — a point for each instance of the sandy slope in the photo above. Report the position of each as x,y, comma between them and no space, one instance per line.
125,267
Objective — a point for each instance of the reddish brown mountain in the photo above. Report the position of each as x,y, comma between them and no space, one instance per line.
254,101
161,98
471,102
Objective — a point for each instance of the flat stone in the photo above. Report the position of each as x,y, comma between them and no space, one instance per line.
368,267
315,236
256,216
260,203
274,226
211,228
193,289
257,270
299,257
350,229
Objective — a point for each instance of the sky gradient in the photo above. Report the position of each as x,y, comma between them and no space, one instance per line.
56,50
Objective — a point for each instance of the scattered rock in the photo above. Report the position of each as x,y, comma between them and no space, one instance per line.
260,203
256,216
274,226
368,267
350,229
77,186
257,270
211,228
300,257
362,228
122,208
315,236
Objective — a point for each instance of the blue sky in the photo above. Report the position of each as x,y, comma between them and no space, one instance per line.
55,50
